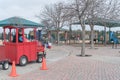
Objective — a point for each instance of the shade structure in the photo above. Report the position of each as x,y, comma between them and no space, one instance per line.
102,22
106,22
19,22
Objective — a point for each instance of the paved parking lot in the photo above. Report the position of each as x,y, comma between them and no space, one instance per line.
63,64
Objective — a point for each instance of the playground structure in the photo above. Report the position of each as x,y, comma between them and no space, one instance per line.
20,52
114,39
74,37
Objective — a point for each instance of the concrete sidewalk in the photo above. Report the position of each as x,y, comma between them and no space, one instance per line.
104,64
75,68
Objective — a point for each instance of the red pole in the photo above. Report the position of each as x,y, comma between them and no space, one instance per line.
16,35
4,35
10,35
23,35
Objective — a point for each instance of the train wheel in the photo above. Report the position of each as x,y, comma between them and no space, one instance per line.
5,65
23,61
44,54
39,59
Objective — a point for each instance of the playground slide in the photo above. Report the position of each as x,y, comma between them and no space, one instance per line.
113,38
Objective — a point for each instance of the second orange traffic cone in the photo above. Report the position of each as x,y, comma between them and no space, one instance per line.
44,65
13,71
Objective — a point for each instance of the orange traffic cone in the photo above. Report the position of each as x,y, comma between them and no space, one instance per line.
43,64
13,71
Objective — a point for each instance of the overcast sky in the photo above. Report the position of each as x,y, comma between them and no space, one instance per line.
23,8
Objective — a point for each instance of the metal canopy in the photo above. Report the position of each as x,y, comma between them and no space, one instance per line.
106,22
103,22
19,22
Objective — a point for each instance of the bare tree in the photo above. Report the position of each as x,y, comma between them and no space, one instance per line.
48,24
57,15
104,9
110,9
84,9
92,15
80,9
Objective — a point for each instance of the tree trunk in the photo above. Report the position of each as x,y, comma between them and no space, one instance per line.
58,38
70,33
92,36
104,36
83,41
